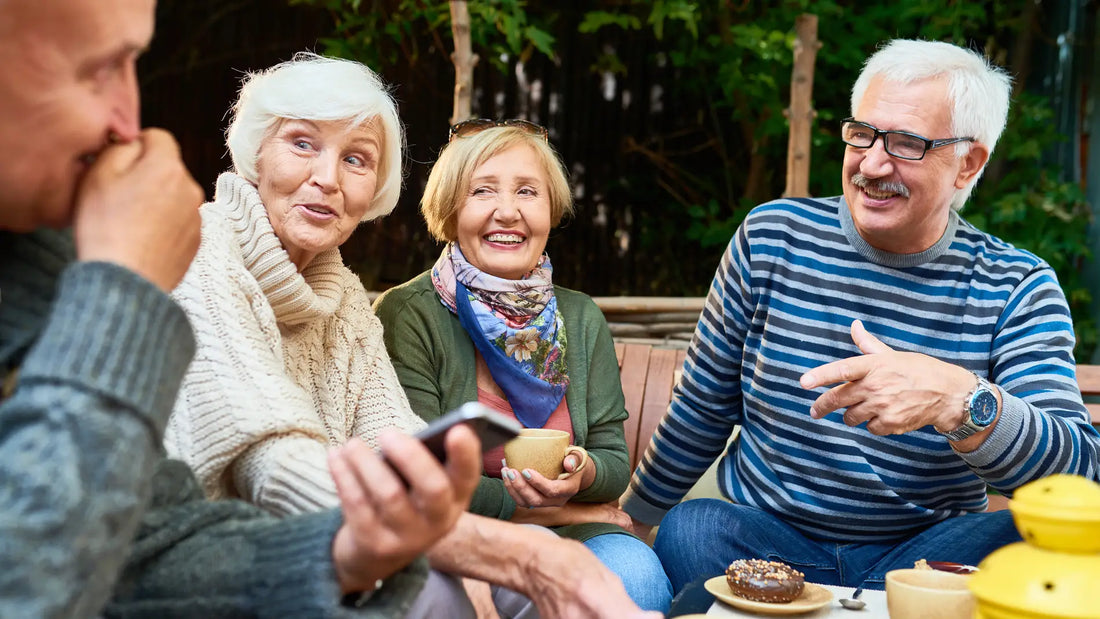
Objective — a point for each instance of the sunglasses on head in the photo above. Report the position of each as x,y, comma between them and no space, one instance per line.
470,127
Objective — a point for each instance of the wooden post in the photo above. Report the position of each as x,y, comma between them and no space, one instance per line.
464,60
801,112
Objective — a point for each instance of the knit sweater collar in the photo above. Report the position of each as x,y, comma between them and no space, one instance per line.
889,259
295,297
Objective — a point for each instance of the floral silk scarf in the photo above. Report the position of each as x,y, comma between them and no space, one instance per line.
515,325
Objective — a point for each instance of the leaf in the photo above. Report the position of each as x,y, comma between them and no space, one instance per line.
542,40
594,20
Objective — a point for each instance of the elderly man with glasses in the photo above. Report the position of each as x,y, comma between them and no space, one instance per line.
885,360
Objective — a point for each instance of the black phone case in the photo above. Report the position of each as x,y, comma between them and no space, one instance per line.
490,426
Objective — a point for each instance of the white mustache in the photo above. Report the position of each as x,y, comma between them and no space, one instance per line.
877,186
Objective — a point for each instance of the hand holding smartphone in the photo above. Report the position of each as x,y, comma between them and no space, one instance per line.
491,427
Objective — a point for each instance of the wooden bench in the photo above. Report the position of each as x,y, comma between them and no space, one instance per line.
1088,379
648,373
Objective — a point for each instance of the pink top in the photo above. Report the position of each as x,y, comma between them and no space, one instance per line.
559,420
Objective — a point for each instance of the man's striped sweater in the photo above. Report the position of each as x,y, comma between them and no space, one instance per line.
790,284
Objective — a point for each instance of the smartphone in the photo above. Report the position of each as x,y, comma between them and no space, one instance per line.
490,426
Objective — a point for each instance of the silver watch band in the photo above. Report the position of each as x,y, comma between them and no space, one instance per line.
967,428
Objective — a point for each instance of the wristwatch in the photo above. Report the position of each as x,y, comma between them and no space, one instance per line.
980,407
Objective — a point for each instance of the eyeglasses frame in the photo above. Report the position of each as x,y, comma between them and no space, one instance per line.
928,144
477,125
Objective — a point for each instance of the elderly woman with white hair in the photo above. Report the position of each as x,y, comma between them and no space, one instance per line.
290,358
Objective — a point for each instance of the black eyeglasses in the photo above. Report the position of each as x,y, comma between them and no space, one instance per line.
477,125
900,144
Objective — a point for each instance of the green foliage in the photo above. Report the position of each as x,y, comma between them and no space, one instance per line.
594,20
1034,209
685,11
726,67
384,32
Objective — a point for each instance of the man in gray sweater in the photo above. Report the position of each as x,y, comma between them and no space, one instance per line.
93,519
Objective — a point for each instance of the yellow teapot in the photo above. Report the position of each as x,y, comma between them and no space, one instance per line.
1055,572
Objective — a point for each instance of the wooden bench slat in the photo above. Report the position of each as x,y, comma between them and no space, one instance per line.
1094,411
1088,379
997,502
622,305
658,392
620,350
634,373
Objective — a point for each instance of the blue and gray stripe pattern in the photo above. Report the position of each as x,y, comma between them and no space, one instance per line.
782,302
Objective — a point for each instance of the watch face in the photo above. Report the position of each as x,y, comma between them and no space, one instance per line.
983,407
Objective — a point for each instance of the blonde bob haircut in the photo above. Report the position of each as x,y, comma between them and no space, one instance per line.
320,89
449,181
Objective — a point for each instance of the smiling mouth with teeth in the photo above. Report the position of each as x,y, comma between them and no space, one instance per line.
878,195
504,238
318,209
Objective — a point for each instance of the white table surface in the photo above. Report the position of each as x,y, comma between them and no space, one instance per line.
875,609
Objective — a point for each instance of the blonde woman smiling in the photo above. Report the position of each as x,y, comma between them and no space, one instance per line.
487,323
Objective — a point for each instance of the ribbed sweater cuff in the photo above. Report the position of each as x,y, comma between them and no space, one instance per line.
116,334
640,509
302,579
592,493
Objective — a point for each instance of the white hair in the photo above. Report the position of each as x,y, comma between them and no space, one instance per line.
979,91
316,88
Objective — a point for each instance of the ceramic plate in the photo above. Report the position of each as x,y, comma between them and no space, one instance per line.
813,597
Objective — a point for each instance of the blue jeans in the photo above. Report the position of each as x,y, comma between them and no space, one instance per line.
701,537
635,563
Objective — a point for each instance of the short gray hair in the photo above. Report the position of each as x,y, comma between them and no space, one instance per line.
979,91
316,88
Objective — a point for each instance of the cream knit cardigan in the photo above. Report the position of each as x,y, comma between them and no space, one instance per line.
287,363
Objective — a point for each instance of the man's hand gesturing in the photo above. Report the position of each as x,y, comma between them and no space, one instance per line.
894,392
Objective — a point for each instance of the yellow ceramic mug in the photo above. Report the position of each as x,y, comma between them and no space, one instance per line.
543,450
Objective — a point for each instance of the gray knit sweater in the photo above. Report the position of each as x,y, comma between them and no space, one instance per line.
93,519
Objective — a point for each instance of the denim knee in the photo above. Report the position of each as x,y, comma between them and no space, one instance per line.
637,567
688,519
699,538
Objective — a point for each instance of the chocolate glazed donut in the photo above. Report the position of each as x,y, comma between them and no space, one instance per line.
764,581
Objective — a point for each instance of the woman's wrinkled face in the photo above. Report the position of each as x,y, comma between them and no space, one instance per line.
503,225
317,180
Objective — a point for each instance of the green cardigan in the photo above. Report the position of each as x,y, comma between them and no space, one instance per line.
434,359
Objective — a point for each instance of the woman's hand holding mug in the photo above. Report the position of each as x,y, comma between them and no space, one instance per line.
541,468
